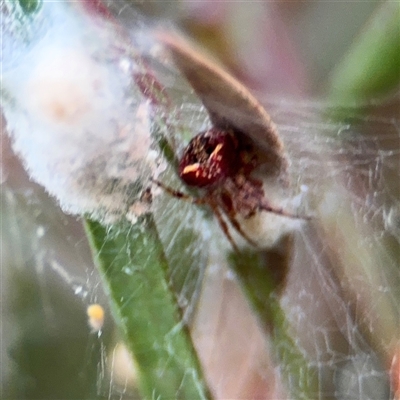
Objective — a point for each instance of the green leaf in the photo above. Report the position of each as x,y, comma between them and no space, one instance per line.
262,276
136,274
372,65
29,6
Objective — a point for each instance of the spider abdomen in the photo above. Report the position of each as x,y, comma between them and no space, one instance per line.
209,158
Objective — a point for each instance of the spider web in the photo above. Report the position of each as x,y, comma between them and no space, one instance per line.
331,326
351,263
341,292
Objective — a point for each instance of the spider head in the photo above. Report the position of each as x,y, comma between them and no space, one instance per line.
209,158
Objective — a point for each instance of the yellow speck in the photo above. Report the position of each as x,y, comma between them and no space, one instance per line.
217,150
95,312
191,168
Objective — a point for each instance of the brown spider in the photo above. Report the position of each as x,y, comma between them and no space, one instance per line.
217,162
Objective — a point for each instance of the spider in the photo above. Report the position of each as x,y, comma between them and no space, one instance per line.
220,163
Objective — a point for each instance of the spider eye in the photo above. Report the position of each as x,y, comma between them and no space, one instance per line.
209,158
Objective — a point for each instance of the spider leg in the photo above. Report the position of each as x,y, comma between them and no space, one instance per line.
201,200
236,224
178,194
280,211
265,205
223,225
